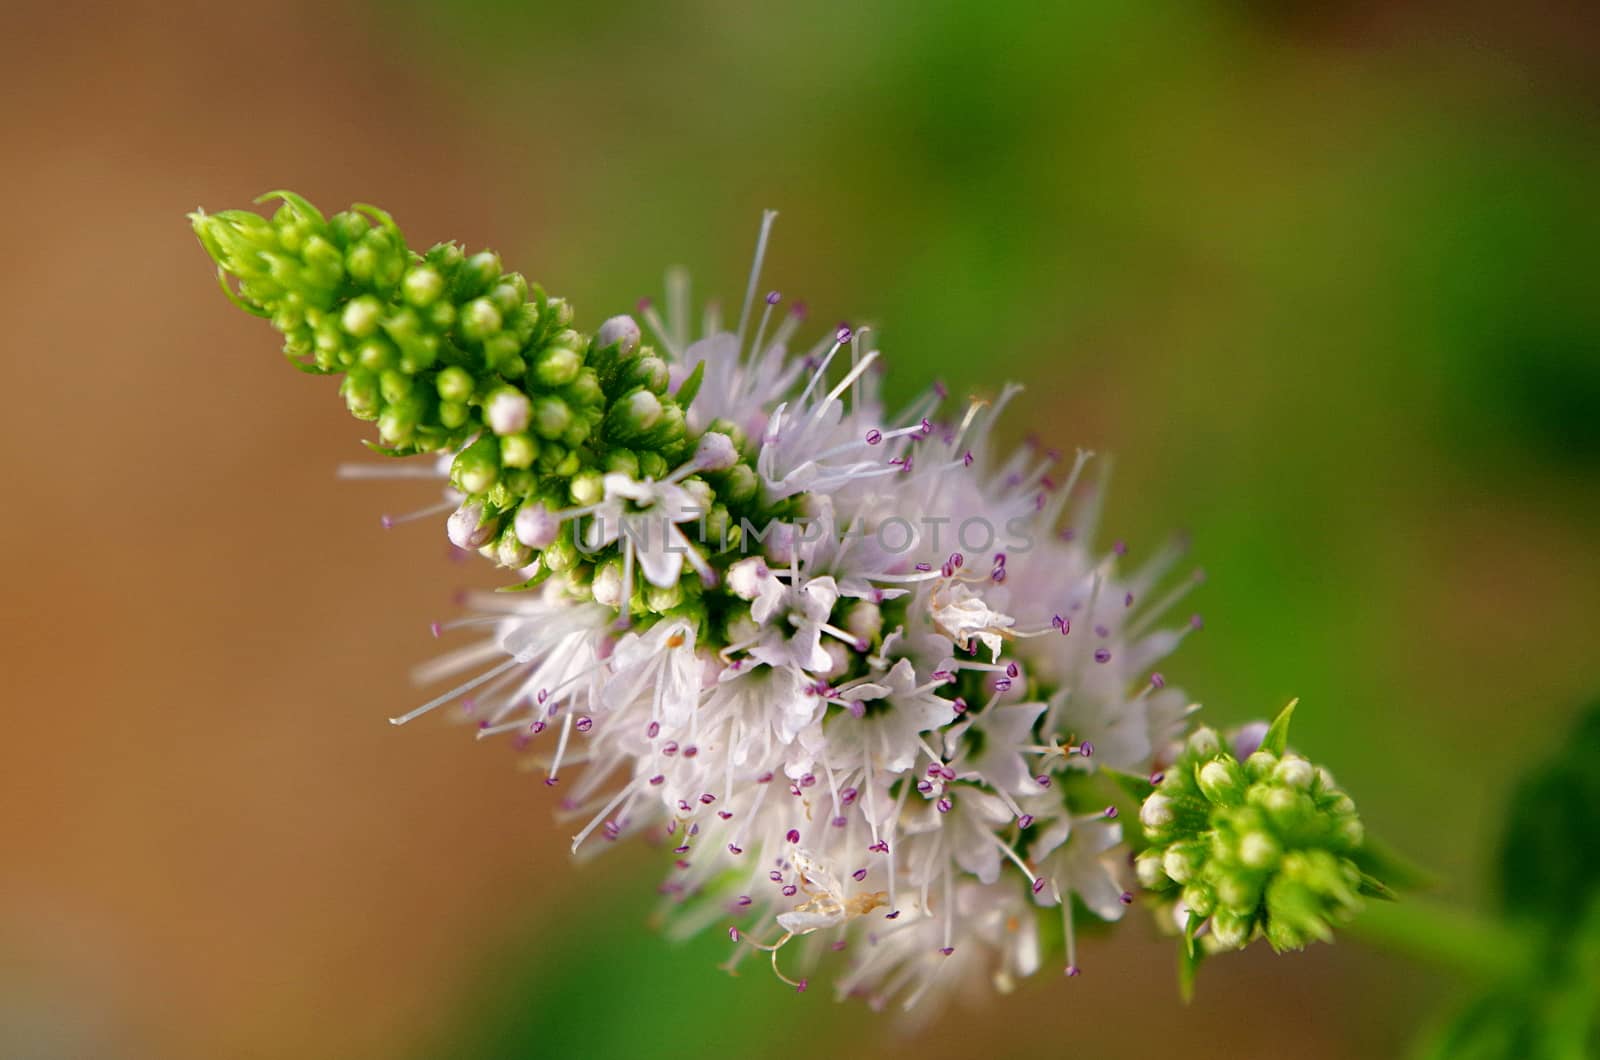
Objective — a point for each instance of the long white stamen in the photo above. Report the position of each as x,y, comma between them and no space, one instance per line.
678,306
767,217
396,469
459,690
659,326
845,383
578,839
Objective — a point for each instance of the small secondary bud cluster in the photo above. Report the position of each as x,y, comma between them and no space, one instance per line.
1259,848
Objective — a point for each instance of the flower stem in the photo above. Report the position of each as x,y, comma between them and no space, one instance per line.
1446,936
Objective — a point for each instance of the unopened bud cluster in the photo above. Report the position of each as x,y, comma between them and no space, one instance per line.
450,353
1259,848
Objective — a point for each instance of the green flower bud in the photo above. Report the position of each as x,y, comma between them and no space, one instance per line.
607,584
377,354
1229,930
455,384
1183,861
361,316
584,391
576,434
1204,742
441,316
507,296
647,372
561,555
476,467
520,482
470,526
652,465
551,417
1222,780
621,332
1258,850
518,451
1294,771
660,598
1200,898
551,456
398,422
509,552
634,414
1260,764
502,352
587,487
738,485
361,394
569,465
507,411
480,319
480,271
394,384
422,286
1147,866
347,227
557,366
560,311
623,461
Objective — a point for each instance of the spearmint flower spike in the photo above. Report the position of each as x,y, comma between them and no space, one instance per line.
863,671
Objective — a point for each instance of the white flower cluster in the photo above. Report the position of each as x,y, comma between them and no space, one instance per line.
876,727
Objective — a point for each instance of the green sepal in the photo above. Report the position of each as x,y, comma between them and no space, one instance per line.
297,201
1189,957
532,583
235,297
377,214
1277,738
691,386
1372,887
383,450
308,367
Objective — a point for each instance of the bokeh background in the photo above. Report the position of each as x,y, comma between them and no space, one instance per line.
1320,276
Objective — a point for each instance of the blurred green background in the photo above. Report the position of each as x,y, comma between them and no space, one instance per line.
1321,277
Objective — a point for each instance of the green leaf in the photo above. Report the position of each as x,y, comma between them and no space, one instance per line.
1550,855
1277,738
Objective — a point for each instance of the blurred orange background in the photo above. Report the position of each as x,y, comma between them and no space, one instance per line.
1250,249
